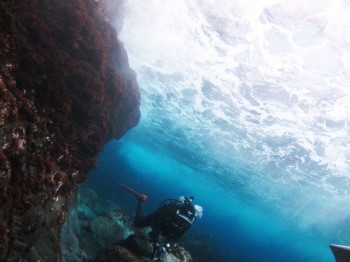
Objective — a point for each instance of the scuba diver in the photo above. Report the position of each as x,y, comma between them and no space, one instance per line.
171,220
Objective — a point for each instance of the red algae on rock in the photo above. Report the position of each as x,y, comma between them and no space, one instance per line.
65,89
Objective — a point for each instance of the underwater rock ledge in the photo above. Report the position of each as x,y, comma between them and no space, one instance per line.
65,89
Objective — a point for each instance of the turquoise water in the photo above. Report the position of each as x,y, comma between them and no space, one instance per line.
240,228
245,105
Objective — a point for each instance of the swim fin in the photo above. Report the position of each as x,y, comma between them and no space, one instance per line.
140,196
341,253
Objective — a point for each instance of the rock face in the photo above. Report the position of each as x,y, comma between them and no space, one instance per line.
65,89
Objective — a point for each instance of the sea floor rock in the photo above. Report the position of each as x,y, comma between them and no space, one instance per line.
108,234
84,236
117,253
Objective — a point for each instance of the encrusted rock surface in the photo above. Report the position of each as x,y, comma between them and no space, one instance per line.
65,89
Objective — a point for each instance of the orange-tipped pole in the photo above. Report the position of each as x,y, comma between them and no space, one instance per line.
140,196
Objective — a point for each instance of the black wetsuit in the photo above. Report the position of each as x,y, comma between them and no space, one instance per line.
171,220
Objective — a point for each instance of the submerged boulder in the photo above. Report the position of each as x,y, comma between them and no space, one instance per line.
105,230
142,246
176,254
117,253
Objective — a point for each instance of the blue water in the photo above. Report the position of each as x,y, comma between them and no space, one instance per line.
238,227
245,105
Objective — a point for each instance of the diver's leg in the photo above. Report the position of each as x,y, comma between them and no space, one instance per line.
139,210
141,221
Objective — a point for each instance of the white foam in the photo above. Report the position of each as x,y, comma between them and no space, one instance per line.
259,85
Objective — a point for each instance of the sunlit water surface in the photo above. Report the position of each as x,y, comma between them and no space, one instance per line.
246,106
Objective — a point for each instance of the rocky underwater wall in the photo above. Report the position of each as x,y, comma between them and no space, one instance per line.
65,90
